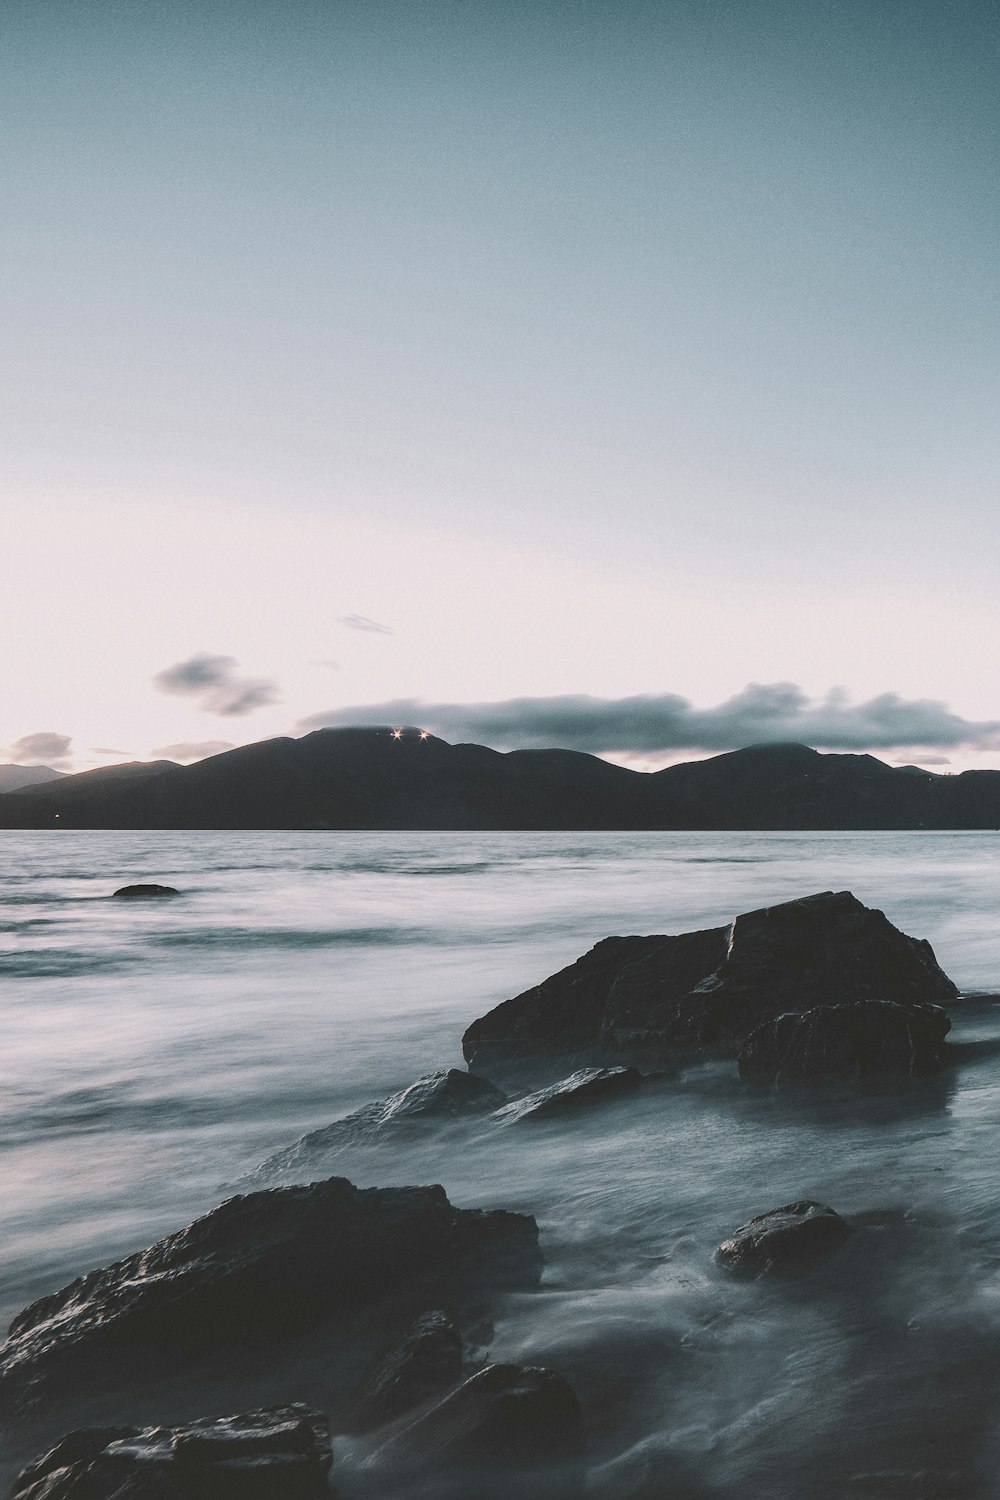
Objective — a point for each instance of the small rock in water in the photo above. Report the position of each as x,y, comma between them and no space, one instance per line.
446,1095
427,1363
143,892
789,1240
279,1453
585,1087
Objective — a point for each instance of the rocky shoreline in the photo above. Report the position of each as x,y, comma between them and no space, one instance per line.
398,1286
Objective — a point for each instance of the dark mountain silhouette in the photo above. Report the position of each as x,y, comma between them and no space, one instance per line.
368,778
103,779
13,778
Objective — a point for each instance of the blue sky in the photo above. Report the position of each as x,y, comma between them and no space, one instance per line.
590,349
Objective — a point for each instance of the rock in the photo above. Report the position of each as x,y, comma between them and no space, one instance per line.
440,1096
257,1269
788,1241
144,892
846,1043
443,1095
427,1363
913,1483
563,1017
68,1467
652,998
280,1453
503,1419
586,1087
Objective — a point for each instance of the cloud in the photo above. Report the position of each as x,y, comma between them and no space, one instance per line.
105,750
362,622
763,713
192,750
212,680
44,748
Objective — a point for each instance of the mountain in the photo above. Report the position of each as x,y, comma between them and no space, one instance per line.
13,778
369,778
105,779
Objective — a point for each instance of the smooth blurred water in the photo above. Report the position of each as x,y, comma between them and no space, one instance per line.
154,1052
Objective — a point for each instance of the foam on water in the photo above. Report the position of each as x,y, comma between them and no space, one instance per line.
155,1052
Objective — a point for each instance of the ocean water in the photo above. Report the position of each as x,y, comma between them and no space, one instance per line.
153,1054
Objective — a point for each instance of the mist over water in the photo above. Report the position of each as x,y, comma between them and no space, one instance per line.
154,1053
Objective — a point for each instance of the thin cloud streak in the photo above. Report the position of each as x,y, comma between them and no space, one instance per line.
362,622
212,681
189,750
763,713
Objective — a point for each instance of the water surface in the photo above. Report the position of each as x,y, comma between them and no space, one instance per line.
155,1052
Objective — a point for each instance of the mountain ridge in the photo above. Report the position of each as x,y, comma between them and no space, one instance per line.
381,778
13,778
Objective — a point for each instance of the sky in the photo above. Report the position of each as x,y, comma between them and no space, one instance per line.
621,376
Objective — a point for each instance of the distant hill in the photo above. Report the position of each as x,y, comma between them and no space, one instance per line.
102,781
13,778
366,778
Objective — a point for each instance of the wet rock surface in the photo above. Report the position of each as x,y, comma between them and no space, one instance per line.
255,1270
442,1095
786,1241
427,1363
143,892
507,1430
447,1095
846,1043
650,998
581,1090
278,1453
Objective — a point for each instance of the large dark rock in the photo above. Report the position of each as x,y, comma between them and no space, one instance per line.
425,1364
446,1095
279,1453
653,998
255,1270
586,1087
562,1018
788,1241
846,1043
513,1429
144,892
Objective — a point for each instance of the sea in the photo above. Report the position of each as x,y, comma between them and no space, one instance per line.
154,1053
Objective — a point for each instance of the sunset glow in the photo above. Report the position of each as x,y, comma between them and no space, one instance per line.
621,425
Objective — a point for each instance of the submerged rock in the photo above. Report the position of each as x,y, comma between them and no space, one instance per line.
652,998
586,1087
442,1096
257,1269
427,1363
447,1095
846,1043
511,1427
279,1453
143,892
788,1241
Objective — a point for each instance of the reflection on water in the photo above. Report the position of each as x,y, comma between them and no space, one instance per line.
153,1053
